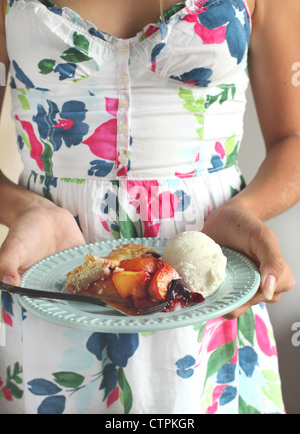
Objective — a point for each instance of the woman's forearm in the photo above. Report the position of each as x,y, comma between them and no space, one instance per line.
276,186
14,199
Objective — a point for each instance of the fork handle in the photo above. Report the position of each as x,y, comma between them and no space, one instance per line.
39,293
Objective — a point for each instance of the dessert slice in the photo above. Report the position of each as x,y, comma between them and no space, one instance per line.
97,268
132,275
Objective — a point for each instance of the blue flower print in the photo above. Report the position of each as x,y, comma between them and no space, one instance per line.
11,2
226,374
96,33
217,163
114,351
234,15
66,70
51,6
21,76
184,200
248,360
197,76
186,366
119,347
110,203
100,168
228,395
66,126
156,51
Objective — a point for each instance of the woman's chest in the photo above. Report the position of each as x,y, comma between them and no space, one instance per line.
123,19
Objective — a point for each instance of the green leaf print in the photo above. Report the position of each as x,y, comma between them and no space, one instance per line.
73,180
68,379
127,227
186,95
232,157
200,329
73,55
81,42
273,387
125,394
222,96
246,326
46,158
246,409
229,145
219,358
46,66
13,380
47,3
24,102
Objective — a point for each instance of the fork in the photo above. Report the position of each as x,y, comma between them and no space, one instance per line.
56,295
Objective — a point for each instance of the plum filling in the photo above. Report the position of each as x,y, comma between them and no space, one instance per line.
179,295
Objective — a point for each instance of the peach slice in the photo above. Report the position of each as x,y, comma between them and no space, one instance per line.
131,283
149,264
160,281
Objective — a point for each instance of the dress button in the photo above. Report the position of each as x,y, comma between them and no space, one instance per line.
124,102
123,50
125,79
123,159
124,128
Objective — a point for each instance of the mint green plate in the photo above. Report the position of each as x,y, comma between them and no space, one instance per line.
241,283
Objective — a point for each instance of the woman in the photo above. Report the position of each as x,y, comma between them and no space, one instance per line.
110,117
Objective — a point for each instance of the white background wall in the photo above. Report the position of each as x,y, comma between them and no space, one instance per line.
287,311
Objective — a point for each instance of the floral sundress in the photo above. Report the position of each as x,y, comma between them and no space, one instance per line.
137,137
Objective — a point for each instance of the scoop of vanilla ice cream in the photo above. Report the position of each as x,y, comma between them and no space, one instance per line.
198,259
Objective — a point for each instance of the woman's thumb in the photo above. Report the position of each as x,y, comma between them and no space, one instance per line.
9,265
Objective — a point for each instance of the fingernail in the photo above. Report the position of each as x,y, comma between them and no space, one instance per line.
9,280
269,287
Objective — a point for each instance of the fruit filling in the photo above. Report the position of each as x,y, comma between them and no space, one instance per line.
148,281
135,278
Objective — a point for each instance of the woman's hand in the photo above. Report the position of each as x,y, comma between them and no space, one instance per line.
38,232
241,230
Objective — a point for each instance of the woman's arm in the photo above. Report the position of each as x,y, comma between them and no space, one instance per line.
37,227
275,47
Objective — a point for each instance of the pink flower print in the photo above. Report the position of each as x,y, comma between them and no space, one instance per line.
103,143
122,173
185,175
151,230
104,224
36,146
65,124
217,393
151,30
113,396
7,394
219,148
263,339
112,106
150,204
153,66
7,319
208,36
225,332
163,206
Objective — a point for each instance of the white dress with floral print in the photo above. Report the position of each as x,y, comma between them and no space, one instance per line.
136,137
